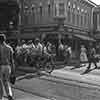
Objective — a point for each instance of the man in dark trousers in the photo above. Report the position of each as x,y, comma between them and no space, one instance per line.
91,58
6,67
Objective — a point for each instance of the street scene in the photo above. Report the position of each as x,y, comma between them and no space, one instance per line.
49,50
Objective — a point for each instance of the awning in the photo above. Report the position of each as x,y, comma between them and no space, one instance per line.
84,37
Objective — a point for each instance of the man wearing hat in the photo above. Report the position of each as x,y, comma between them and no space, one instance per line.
6,67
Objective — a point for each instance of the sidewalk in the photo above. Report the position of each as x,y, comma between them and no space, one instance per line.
20,95
64,83
74,76
65,74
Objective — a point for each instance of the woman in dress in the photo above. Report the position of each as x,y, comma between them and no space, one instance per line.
83,55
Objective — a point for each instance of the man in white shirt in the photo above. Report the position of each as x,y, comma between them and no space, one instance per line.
38,46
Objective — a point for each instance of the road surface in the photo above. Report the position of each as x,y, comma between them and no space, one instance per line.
63,84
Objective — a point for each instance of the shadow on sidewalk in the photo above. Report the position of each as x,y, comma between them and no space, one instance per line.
77,66
87,71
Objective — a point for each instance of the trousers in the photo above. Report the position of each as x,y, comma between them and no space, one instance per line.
5,71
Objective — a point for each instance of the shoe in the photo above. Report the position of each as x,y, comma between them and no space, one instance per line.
10,98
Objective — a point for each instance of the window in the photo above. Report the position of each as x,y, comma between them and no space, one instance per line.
41,9
33,13
69,15
82,17
56,9
89,19
26,14
73,18
98,20
69,12
85,19
73,14
78,16
61,9
49,9
81,20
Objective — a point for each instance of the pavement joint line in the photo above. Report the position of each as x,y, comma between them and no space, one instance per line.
23,76
62,78
71,84
32,93
83,84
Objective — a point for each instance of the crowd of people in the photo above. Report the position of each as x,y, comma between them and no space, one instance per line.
38,48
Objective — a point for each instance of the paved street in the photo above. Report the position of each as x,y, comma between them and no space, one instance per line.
66,83
63,84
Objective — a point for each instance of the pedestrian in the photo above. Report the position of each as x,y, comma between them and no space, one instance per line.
83,55
6,67
67,54
91,58
38,56
61,50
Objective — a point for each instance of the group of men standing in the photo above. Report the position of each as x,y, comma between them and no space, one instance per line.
35,48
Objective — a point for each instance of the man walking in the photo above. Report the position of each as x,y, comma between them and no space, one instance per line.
6,67
91,58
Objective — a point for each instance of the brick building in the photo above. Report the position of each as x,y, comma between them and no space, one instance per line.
70,21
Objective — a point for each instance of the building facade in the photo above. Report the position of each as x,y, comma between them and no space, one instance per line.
57,20
96,23
42,13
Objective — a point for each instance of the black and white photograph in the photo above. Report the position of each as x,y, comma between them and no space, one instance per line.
49,49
